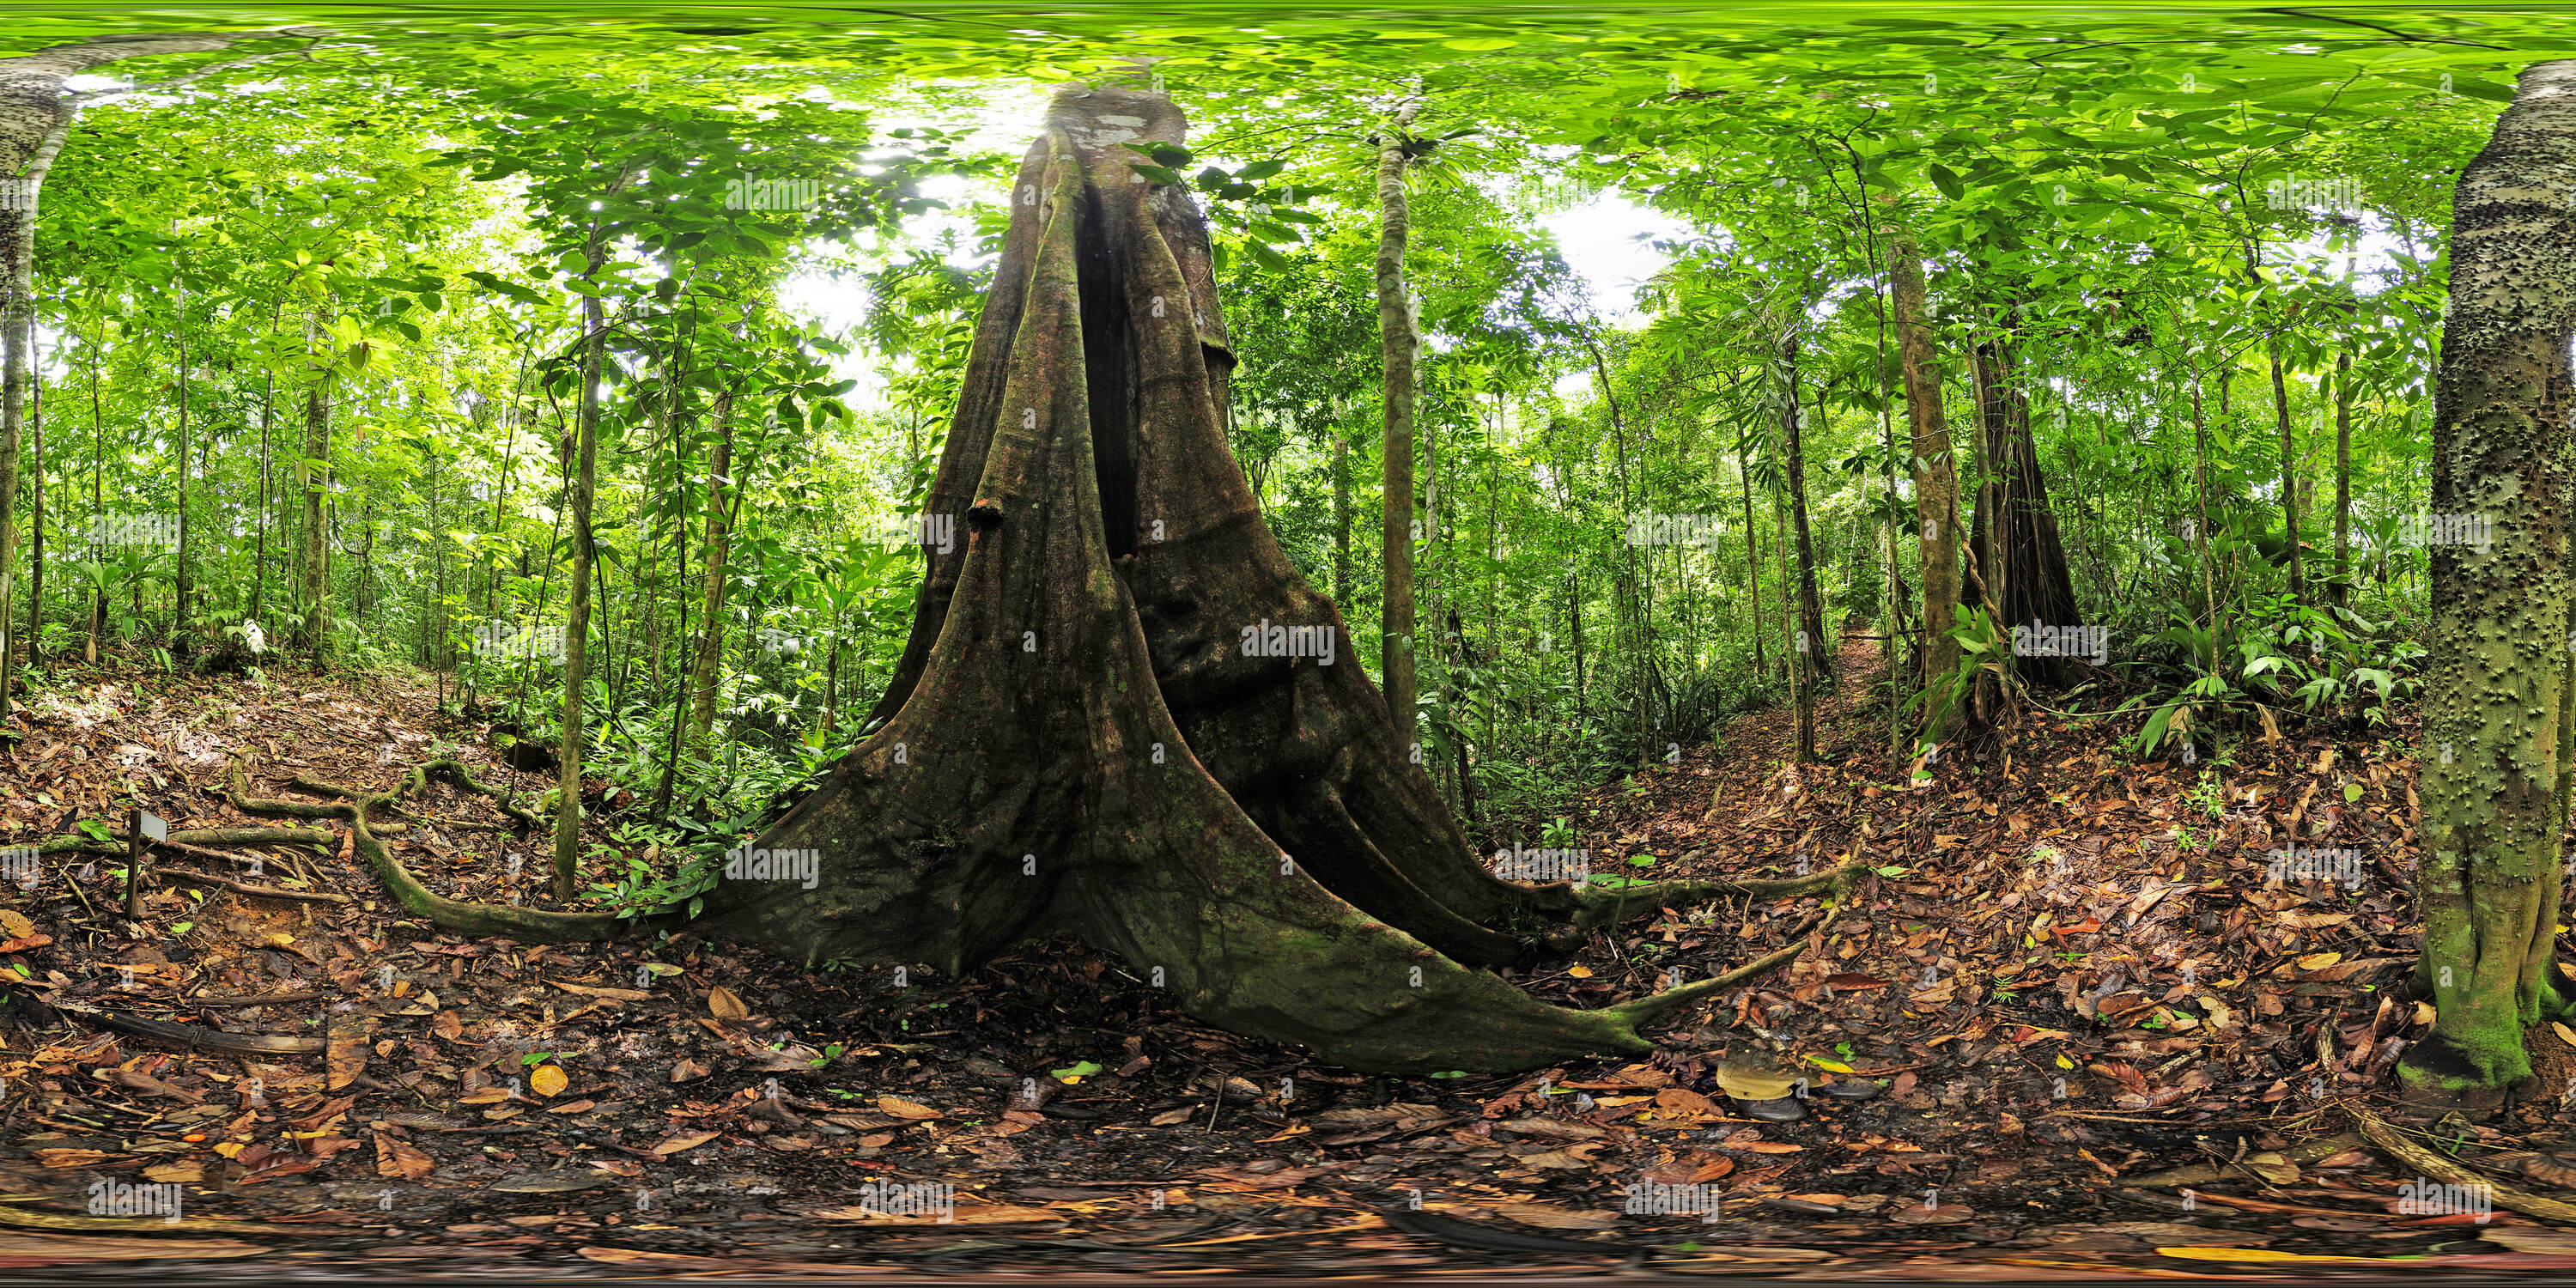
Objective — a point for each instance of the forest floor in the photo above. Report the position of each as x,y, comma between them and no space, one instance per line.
2070,972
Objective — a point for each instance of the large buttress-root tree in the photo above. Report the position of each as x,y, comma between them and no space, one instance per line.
1078,737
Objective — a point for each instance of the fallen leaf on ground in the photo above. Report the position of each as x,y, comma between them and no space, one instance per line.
400,1160
691,1141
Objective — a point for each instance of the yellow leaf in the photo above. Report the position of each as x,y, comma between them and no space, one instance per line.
901,1108
1581,972
2319,961
1829,1066
548,1081
2424,1011
2565,1034
2064,1063
16,924
690,1141
231,1148
2264,1254
280,939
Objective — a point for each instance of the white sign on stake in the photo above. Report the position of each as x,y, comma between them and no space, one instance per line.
155,828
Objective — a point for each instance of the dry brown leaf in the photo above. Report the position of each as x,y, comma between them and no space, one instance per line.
902,1108
722,1004
690,1141
573,1107
689,1071
348,1058
400,1160
15,924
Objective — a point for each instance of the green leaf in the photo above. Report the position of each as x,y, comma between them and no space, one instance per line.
1081,1069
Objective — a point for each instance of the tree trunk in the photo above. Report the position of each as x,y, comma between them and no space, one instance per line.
2490,773
2289,479
179,312
1341,518
1395,351
702,703
1752,561
2021,573
1936,471
35,471
1161,742
1820,645
313,555
2343,480
576,631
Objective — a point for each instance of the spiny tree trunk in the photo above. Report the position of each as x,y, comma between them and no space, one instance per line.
1936,471
1396,356
2021,575
2490,773
1104,733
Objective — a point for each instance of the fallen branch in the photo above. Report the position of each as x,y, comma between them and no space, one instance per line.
2211,1173
2450,1172
193,1035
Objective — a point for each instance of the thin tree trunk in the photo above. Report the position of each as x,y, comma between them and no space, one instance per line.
1936,470
1810,605
706,671
576,641
2343,481
1341,518
1752,562
1396,345
2289,478
36,501
259,560
179,309
314,556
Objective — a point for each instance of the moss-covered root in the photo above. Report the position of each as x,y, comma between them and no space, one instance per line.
1596,907
527,925
1654,1006
72,842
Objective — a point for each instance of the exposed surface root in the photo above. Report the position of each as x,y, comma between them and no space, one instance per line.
528,925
